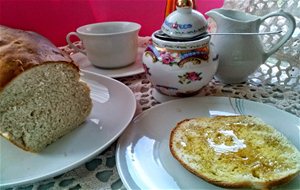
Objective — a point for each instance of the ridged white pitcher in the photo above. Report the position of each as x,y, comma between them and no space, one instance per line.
241,54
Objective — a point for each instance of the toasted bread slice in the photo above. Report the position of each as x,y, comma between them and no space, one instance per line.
235,151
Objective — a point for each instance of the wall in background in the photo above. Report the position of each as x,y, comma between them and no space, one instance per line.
56,18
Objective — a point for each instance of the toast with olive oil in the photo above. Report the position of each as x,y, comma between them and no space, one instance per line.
235,151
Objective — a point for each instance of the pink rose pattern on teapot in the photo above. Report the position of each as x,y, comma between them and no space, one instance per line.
189,77
180,72
178,57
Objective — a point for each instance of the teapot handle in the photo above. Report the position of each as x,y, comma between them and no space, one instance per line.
291,28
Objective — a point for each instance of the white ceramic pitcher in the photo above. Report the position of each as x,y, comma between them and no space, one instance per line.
240,55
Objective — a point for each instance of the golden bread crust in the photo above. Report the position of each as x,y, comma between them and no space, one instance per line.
19,144
21,50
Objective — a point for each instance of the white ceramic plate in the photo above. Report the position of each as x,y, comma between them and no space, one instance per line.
86,66
143,157
111,100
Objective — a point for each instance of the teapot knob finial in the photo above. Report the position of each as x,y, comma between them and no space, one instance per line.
184,3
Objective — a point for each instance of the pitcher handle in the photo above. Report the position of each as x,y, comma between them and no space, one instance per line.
72,45
291,28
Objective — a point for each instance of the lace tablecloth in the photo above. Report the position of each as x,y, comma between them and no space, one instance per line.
277,83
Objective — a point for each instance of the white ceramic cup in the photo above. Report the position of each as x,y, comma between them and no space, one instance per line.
108,44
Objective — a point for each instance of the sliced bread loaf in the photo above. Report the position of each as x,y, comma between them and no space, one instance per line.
41,97
235,151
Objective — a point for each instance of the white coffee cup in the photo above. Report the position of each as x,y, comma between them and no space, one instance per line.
108,44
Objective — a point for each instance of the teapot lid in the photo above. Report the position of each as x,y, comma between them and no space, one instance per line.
184,22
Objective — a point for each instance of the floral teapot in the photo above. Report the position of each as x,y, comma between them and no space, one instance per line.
179,59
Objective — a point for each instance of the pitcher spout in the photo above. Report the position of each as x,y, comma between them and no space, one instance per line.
231,15
234,21
215,14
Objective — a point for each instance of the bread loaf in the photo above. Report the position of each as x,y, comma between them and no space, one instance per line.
235,151
41,97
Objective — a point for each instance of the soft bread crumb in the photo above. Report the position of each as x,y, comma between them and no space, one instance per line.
42,104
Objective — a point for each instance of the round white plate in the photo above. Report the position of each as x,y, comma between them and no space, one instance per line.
111,100
143,157
86,66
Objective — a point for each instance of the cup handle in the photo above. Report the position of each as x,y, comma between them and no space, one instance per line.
291,28
72,45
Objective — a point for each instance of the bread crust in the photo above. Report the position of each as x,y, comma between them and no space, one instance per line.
21,50
19,144
258,185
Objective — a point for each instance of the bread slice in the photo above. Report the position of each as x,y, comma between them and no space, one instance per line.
41,96
235,151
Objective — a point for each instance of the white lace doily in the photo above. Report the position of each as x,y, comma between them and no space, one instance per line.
277,83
